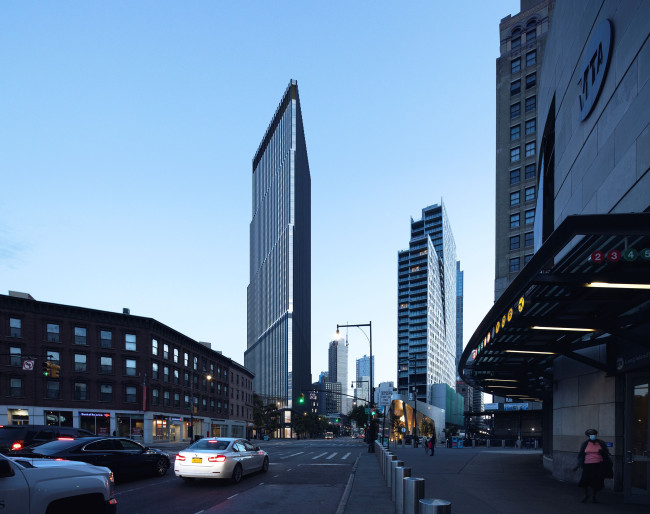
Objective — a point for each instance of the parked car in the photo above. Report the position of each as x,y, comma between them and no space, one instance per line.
121,455
220,457
15,437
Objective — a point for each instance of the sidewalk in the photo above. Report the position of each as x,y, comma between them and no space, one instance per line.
486,480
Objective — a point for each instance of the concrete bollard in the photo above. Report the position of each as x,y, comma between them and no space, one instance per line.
434,506
413,493
393,481
400,475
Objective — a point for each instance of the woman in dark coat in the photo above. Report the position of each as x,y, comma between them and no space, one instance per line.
591,458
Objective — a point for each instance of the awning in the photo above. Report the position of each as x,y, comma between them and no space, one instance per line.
588,285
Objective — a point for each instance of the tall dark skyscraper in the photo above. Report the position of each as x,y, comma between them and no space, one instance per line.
279,292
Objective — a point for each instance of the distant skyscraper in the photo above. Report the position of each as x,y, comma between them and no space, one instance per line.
363,367
459,315
279,292
426,315
338,370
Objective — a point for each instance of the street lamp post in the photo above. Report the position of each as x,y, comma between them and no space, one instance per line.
190,430
371,444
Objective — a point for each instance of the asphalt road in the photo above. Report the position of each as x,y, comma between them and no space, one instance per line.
309,475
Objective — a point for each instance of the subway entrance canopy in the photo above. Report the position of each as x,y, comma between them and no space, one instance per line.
588,285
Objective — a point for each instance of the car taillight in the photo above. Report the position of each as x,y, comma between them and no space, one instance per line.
65,439
17,445
180,457
218,458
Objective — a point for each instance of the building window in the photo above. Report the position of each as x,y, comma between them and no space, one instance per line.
53,357
165,373
515,87
527,258
515,43
515,132
186,379
52,333
514,264
15,356
106,339
196,363
130,369
79,335
186,400
515,111
80,391
176,355
154,347
531,58
530,216
204,403
530,171
129,342
515,176
514,154
531,36
155,396
106,365
130,394
531,126
515,65
177,378
15,327
530,193
186,359
16,387
514,220
166,351
514,198
80,364
514,243
154,370
52,390
531,80
529,239
531,104
177,400
530,149
106,393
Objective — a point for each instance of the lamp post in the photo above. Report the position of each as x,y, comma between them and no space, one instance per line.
371,444
190,430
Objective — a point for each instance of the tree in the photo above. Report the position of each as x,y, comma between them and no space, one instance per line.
359,416
396,424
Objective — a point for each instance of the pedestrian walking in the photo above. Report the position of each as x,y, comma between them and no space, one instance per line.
425,445
432,444
595,461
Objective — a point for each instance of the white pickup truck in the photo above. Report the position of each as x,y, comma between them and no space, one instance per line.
47,486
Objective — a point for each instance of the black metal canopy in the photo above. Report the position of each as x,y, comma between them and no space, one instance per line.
583,288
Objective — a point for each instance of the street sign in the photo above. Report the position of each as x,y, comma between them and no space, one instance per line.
28,365
385,398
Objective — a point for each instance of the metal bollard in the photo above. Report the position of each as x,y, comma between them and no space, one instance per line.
389,467
400,475
390,476
413,493
384,460
393,481
434,506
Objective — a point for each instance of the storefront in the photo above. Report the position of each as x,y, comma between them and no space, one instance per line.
58,418
166,428
98,423
130,425
18,417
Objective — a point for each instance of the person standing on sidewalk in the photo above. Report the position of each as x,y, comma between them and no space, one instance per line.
425,445
592,456
432,444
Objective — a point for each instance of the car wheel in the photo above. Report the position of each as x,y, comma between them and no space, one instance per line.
237,474
160,467
265,465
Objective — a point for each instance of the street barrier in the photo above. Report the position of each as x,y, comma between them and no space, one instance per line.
413,493
393,476
389,467
400,474
434,506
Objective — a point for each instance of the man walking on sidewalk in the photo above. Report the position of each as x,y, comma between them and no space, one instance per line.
432,444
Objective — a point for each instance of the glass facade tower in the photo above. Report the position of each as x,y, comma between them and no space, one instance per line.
279,293
426,310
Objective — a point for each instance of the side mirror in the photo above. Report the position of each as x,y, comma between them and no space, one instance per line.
5,469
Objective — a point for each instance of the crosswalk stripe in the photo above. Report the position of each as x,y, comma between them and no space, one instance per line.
317,456
346,456
292,455
331,456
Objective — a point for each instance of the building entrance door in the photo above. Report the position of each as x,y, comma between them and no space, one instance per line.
636,472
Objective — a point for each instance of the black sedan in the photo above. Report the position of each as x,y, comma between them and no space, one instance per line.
121,455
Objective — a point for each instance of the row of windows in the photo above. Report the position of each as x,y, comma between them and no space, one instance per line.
515,262
515,241
529,218
529,173
530,127
531,60
530,106
515,196
515,85
81,391
515,153
515,42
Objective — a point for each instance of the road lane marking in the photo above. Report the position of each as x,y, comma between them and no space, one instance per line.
324,453
231,497
331,456
322,464
292,455
276,476
345,456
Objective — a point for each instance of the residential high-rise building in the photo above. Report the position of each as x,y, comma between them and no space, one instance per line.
459,315
338,370
426,306
522,39
279,292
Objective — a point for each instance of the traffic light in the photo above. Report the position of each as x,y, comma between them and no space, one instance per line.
54,370
301,399
46,367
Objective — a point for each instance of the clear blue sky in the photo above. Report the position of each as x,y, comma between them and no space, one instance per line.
127,131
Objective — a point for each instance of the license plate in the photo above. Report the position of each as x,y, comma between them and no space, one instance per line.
197,460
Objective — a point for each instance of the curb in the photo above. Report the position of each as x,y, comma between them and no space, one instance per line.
348,489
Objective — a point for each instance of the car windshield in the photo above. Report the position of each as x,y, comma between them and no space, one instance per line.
210,444
54,447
